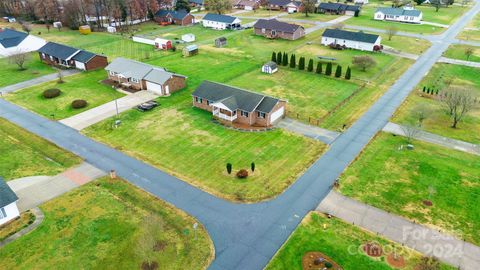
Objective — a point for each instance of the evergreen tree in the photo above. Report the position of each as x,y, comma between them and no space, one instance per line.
285,59
436,92
293,61
424,88
338,71
274,57
229,168
328,70
348,74
310,65
319,68
279,58
301,63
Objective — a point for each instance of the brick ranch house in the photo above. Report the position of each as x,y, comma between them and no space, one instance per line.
276,29
233,105
64,56
140,76
180,17
285,5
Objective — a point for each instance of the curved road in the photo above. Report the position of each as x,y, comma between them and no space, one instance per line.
246,236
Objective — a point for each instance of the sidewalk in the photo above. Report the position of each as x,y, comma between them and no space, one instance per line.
425,240
39,80
459,62
32,193
107,110
324,135
435,139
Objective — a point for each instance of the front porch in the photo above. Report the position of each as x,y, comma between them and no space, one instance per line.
224,114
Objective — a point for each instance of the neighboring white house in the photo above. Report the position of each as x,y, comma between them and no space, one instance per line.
8,203
270,67
218,21
188,37
362,2
12,41
407,14
353,40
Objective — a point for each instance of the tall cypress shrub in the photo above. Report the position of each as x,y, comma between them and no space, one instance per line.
292,61
310,65
285,59
328,70
319,68
348,74
279,58
274,57
338,71
301,63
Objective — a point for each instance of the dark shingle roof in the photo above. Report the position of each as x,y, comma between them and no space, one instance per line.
235,98
279,2
338,7
83,56
179,15
7,196
276,25
57,50
219,18
355,36
11,38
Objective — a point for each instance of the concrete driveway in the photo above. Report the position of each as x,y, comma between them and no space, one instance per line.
107,110
33,191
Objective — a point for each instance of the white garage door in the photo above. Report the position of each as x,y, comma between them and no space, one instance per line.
277,115
154,88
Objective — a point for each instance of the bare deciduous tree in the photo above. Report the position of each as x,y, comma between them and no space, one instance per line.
218,6
27,27
145,249
391,31
19,58
363,62
459,101
420,113
308,6
410,132
468,52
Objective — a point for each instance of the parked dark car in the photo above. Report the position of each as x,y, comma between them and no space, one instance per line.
147,106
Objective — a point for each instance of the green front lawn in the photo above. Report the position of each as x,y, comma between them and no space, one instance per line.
406,44
85,85
458,52
438,121
10,74
398,181
341,242
100,225
444,15
184,142
260,13
25,154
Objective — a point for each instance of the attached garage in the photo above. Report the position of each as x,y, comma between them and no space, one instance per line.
277,115
154,88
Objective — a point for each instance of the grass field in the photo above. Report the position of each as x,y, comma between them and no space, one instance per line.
341,242
25,154
184,142
458,52
260,13
406,44
438,121
9,73
100,225
399,181
315,17
85,85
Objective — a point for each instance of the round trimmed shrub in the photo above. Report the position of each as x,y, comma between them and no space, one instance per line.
51,93
79,103
242,173
328,265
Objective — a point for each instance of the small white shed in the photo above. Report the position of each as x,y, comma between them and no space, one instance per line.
111,29
188,37
270,67
143,40
57,24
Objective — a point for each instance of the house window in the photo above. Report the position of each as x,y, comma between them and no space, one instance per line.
43,55
113,73
134,80
263,30
51,58
208,102
261,115
198,100
3,214
244,113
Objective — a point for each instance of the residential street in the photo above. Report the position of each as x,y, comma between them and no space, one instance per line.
246,236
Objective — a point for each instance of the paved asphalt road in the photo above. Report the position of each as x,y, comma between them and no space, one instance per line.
246,236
